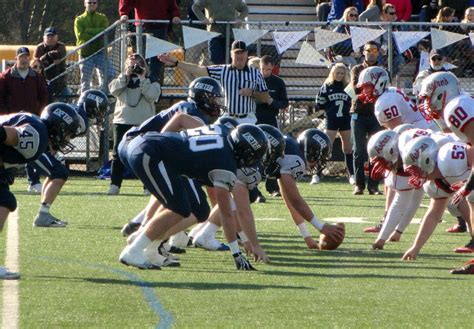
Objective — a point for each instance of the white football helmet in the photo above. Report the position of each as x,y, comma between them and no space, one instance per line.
373,81
403,127
437,90
419,159
383,153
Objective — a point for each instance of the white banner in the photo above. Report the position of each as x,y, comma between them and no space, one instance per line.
193,36
405,40
155,46
310,56
471,35
441,39
284,40
327,38
248,36
361,35
424,61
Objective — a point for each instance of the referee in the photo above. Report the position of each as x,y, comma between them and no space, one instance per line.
243,85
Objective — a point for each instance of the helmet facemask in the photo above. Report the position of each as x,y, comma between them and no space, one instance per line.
417,176
380,168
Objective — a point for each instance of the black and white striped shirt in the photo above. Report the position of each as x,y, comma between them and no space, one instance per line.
232,81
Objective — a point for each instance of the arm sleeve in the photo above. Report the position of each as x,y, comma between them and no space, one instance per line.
321,98
261,84
150,91
118,84
222,178
215,71
282,101
198,7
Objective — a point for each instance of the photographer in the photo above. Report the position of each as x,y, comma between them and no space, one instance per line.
136,96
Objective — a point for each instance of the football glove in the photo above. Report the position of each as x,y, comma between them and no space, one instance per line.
242,263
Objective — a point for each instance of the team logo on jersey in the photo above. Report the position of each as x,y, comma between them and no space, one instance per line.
251,140
203,86
417,152
379,147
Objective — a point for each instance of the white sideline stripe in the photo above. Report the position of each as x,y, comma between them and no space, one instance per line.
11,301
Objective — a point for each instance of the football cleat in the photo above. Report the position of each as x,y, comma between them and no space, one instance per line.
130,228
179,240
113,190
5,274
315,180
156,259
456,228
468,268
373,229
468,248
177,250
136,259
163,250
210,243
44,219
35,188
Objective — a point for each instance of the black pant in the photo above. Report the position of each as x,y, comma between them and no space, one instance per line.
117,166
363,126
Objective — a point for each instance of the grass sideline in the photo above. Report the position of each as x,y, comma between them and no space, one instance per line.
71,277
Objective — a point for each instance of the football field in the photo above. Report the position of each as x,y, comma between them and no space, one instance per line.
71,277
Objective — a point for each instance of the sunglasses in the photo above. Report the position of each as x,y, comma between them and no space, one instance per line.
353,15
372,50
392,13
91,3
437,58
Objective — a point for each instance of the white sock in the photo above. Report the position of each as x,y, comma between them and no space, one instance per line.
411,208
234,247
209,230
45,207
141,242
196,229
304,230
138,219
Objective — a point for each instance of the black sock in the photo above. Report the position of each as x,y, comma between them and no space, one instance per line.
349,158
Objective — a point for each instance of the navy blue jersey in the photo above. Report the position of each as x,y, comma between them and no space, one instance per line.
157,122
32,138
333,100
202,153
293,162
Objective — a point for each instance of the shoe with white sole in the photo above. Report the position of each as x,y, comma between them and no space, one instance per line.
136,259
113,190
5,274
163,251
210,243
315,180
35,188
352,180
44,219
179,240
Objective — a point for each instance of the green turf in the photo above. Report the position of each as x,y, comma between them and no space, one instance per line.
71,277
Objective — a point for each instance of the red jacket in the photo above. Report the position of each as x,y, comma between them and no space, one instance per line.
18,94
150,9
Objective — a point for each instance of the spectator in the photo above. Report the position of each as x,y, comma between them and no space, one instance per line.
333,99
459,7
372,12
136,95
268,112
323,7
21,88
403,9
389,14
199,53
217,12
87,26
243,85
339,6
436,65
344,48
364,123
36,66
468,19
51,53
167,10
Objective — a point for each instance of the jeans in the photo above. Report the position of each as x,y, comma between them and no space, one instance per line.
117,166
363,127
96,61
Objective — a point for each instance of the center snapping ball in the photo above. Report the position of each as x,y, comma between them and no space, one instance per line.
327,243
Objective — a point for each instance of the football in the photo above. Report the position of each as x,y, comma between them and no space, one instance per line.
327,243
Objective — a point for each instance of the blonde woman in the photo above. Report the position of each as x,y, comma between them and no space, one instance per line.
344,48
333,99
468,19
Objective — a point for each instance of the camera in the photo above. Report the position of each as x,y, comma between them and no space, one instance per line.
137,69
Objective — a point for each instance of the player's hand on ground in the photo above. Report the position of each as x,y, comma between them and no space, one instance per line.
259,255
310,243
242,263
378,245
335,232
410,254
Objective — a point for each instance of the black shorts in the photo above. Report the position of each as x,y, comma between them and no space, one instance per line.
338,123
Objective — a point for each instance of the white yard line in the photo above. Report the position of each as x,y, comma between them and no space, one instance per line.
11,301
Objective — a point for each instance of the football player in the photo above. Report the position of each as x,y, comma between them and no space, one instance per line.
441,99
207,154
92,105
441,170
23,138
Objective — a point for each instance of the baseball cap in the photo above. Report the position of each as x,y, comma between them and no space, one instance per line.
50,30
239,45
22,51
435,52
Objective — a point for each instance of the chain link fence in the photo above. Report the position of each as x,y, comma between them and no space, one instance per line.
303,81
